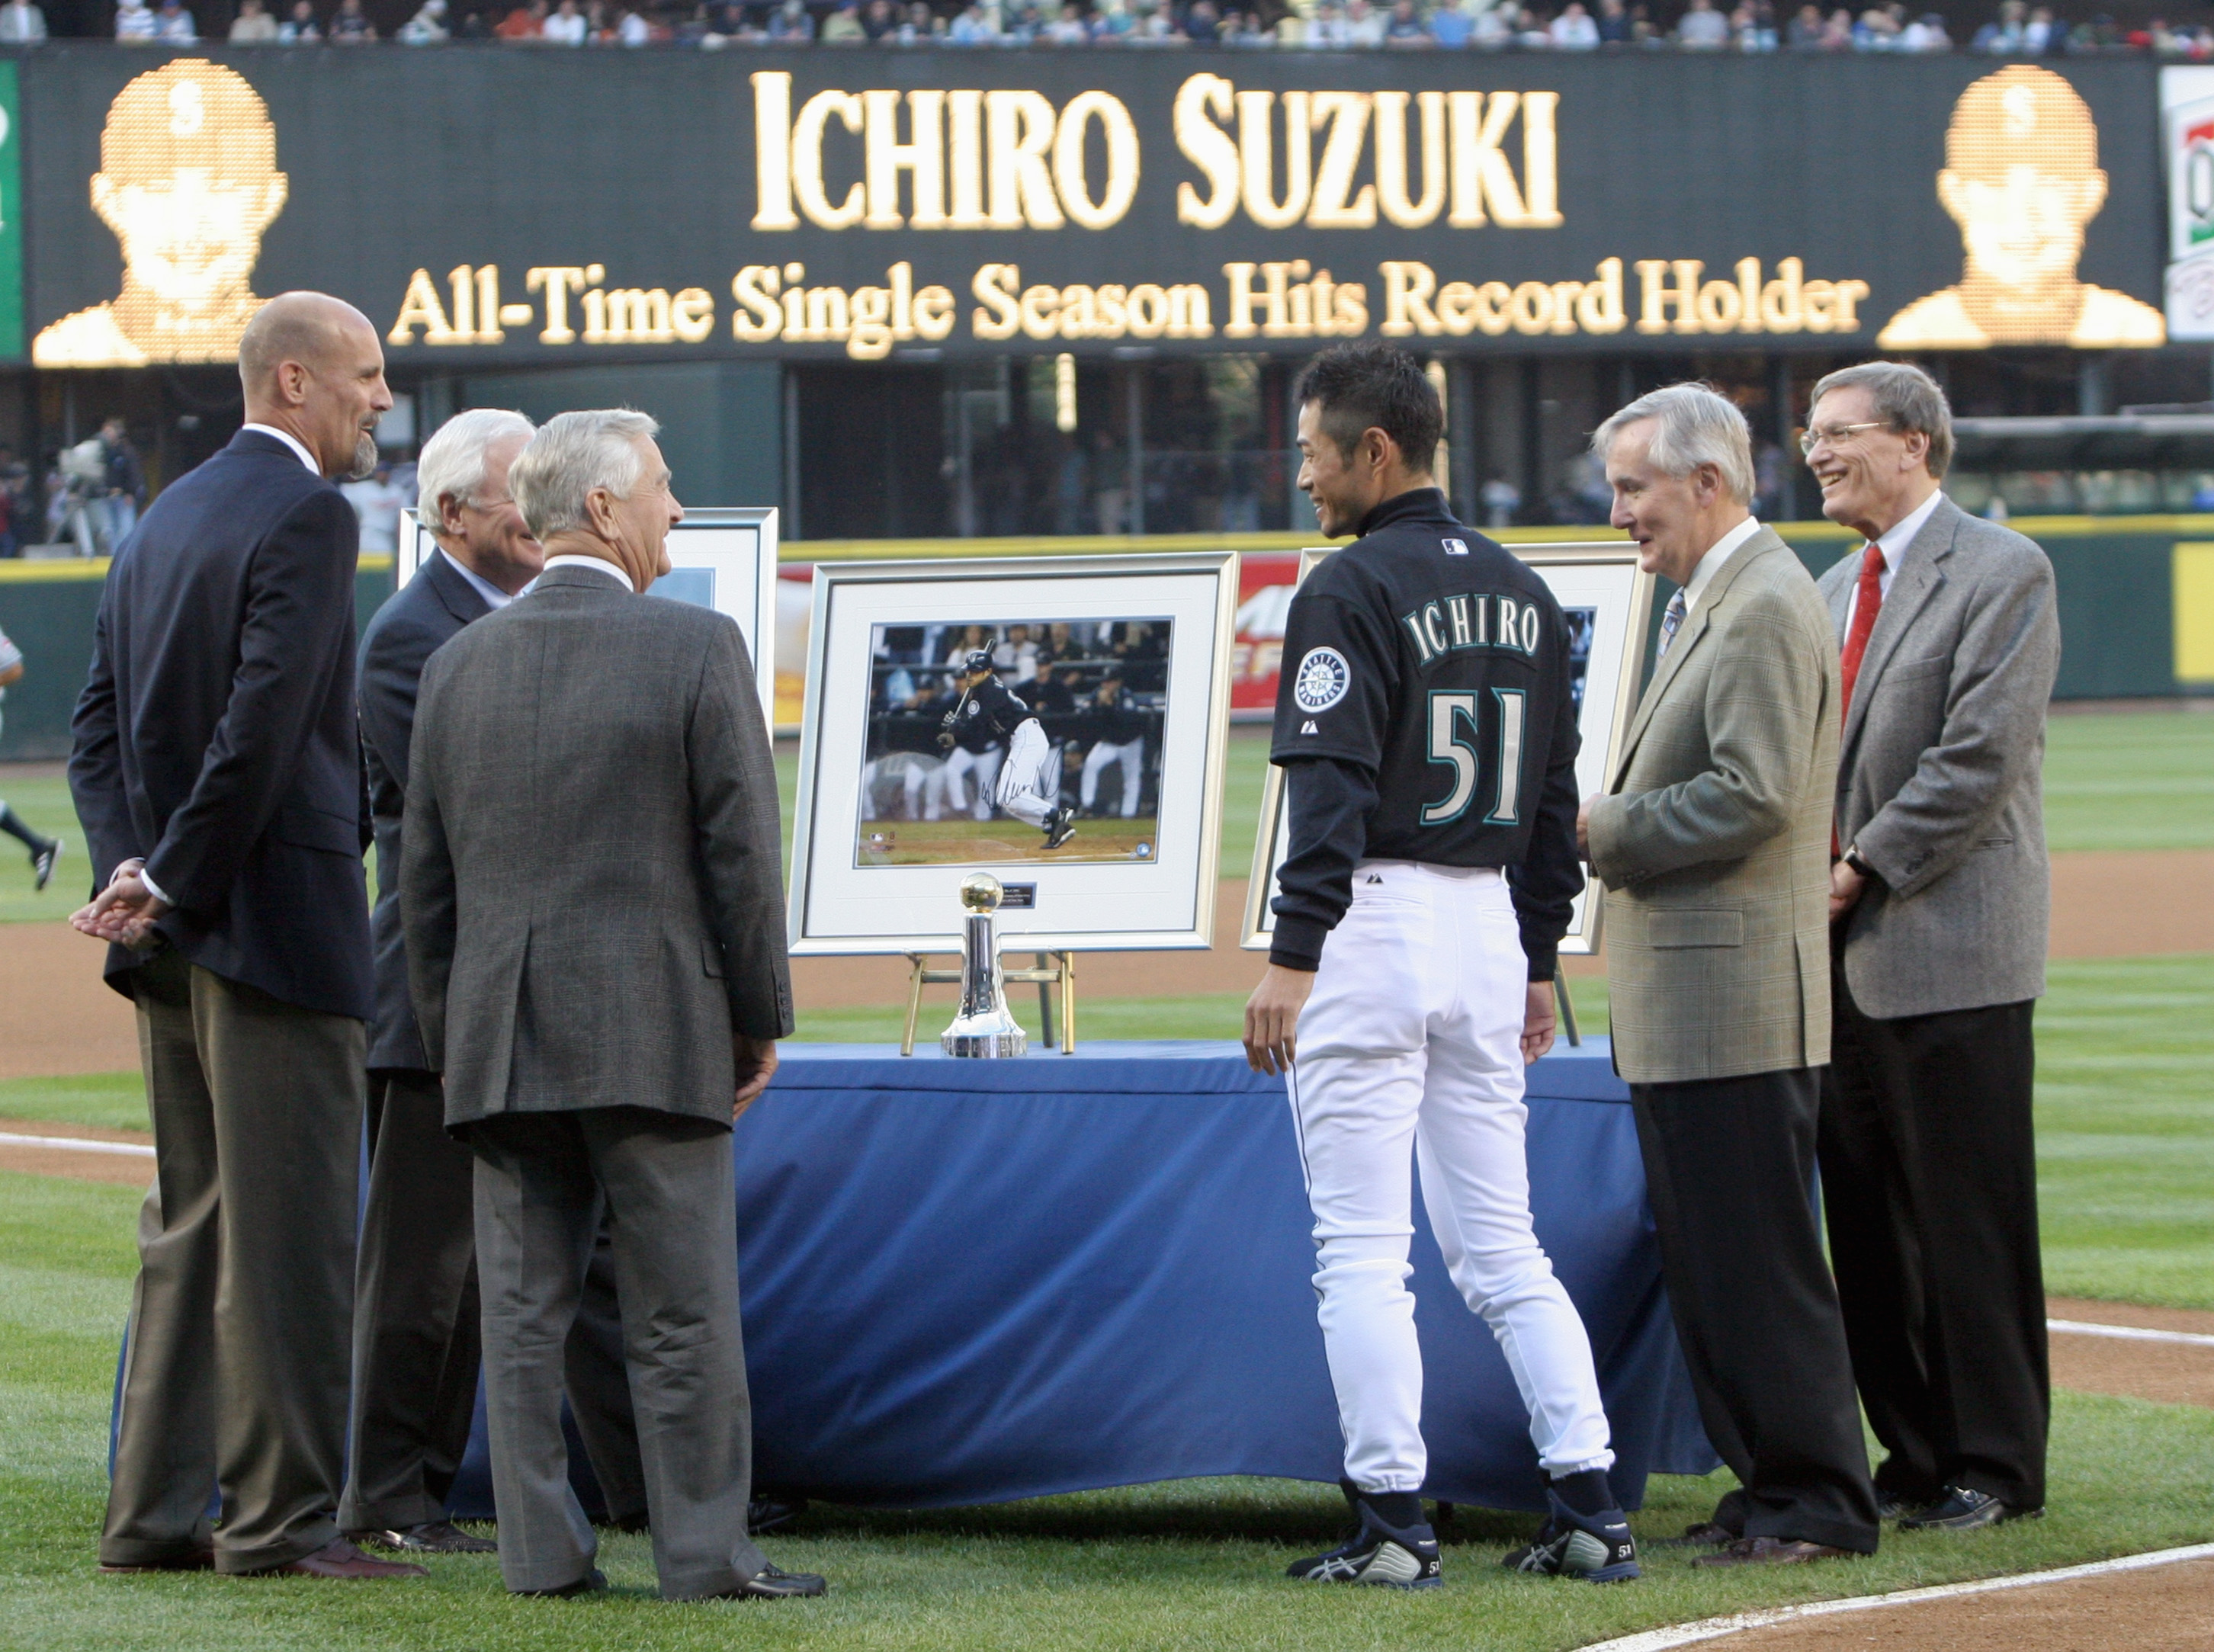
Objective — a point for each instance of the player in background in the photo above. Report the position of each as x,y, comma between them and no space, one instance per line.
44,850
1428,742
1030,780
1122,740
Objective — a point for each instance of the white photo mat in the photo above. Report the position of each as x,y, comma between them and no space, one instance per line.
1603,578
1165,902
723,558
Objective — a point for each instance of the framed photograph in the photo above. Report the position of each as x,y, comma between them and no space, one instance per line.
1056,721
724,559
1608,602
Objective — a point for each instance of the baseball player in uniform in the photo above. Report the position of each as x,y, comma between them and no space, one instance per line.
1428,740
1029,779
1122,740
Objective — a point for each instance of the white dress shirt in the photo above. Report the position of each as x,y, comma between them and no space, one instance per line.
308,460
598,564
493,594
290,441
1711,563
1894,545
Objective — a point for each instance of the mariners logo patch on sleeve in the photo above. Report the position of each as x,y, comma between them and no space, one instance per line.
1322,679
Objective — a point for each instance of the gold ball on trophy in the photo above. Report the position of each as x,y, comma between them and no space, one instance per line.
980,892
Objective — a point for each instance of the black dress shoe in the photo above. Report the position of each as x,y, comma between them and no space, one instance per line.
772,1514
1966,1510
591,1583
1705,1535
1892,1506
197,1560
770,1584
432,1538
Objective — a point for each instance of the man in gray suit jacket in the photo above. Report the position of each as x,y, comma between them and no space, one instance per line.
1940,898
1713,840
595,927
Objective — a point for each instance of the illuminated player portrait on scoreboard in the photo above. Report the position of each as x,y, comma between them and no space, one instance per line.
2023,179
188,182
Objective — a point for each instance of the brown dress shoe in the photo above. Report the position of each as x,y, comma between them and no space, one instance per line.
1706,1534
200,1560
1772,1552
340,1559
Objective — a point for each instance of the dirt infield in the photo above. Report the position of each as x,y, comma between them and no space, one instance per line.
2160,1609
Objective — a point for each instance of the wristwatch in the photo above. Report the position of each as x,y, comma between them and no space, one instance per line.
1852,858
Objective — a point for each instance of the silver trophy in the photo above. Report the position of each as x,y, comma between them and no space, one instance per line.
984,1027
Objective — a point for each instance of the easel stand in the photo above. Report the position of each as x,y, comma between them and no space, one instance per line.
1061,972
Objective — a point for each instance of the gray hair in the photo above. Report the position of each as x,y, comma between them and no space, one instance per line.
1905,398
453,461
572,454
1696,425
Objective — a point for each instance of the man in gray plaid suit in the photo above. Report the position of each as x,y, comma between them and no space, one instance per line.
1713,839
595,928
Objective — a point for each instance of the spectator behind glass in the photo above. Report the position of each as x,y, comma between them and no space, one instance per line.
1450,26
2037,32
1202,23
879,19
1364,25
172,24
1805,32
1752,28
844,24
524,22
253,25
632,30
426,28
351,25
565,27
974,27
1533,30
1573,30
299,28
134,24
1613,23
23,24
1404,29
1491,28
790,25
1926,34
1703,29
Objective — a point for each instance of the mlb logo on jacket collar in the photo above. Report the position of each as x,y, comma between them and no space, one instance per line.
1455,547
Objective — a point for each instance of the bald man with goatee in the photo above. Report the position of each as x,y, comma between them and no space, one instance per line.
217,772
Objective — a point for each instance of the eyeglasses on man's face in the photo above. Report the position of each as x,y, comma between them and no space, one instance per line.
1835,435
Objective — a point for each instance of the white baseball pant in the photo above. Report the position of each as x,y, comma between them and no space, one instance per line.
1131,753
960,762
1027,791
1412,1039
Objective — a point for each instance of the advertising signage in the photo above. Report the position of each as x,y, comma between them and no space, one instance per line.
504,207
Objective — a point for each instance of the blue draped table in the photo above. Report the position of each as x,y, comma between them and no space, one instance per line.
966,1281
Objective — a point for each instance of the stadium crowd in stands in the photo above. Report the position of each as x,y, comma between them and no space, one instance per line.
2016,29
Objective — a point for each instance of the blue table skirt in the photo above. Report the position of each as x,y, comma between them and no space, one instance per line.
968,1281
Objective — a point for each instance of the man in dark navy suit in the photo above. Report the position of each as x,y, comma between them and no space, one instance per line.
416,1337
217,772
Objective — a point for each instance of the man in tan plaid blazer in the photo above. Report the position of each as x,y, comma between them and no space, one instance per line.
1713,839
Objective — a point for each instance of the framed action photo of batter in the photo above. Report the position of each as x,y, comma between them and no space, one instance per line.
1608,602
1056,721
724,559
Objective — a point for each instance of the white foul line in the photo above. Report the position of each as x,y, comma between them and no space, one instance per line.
2128,1333
75,1144
1709,1629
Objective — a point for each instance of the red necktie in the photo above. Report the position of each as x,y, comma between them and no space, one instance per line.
1868,602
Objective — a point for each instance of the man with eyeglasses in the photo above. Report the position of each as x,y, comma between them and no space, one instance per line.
1939,899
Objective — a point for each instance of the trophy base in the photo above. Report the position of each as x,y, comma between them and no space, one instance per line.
989,1036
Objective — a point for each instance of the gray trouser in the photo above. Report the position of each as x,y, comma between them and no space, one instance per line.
664,1184
416,1327
241,1315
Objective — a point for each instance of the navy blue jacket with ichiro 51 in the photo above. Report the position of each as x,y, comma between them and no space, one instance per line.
215,736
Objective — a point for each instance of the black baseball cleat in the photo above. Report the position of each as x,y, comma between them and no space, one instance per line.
1379,1552
1597,1548
592,1582
1963,1508
1058,828
766,1514
432,1538
42,861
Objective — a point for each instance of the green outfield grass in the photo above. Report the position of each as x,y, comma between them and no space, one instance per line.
1186,1564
